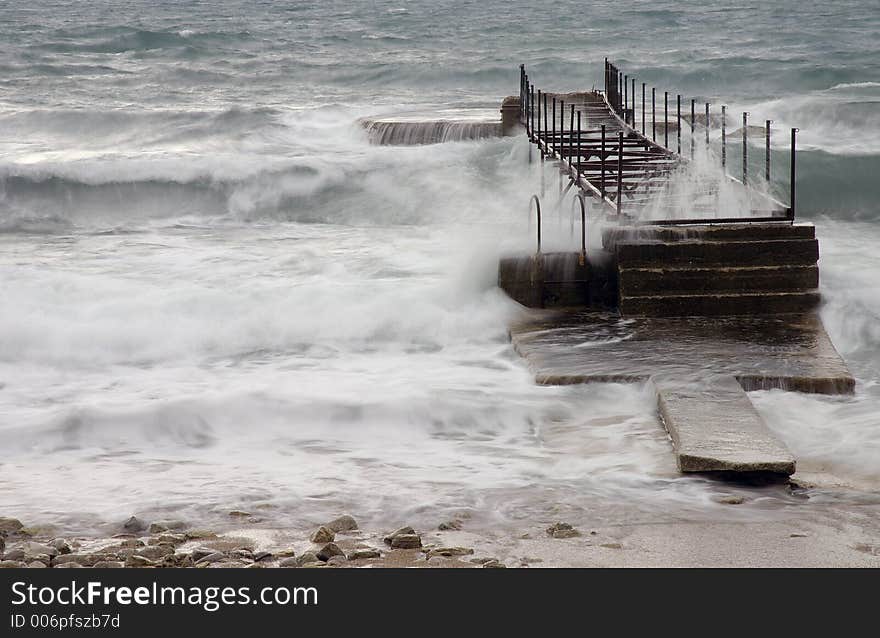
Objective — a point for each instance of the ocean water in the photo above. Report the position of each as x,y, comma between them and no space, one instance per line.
217,294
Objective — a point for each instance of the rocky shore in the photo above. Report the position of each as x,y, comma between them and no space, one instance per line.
841,536
173,543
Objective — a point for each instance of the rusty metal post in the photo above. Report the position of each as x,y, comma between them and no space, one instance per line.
678,129
633,111
571,136
619,173
545,120
620,92
538,114
625,97
654,113
643,108
553,119
792,178
602,163
666,119
707,127
767,150
724,137
693,124
577,168
745,148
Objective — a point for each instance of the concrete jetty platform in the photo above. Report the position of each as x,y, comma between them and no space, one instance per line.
700,368
715,428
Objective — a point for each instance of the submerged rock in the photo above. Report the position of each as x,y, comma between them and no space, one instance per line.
448,552
359,554
61,545
10,525
562,530
454,524
134,524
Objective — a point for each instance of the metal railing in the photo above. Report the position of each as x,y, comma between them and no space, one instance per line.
641,163
618,98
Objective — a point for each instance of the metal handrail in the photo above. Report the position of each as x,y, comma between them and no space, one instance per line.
537,202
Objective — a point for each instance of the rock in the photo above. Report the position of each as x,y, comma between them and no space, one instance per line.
14,554
481,561
336,560
329,551
731,499
562,530
323,535
131,543
797,535
199,534
61,545
344,523
200,552
39,558
359,554
167,539
37,564
398,532
12,564
2,542
68,566
10,525
611,545
84,560
242,553
289,562
450,551
32,549
261,556
450,525
285,553
406,541
164,526
108,564
494,564
211,558
140,561
313,564
239,514
134,524
307,557
155,552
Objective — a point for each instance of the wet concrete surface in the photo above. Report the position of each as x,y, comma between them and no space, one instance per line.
790,352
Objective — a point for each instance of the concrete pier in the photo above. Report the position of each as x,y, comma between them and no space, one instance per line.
715,428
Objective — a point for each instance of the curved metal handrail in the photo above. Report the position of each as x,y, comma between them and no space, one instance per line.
579,197
538,210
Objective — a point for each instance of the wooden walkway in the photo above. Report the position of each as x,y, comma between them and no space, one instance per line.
595,138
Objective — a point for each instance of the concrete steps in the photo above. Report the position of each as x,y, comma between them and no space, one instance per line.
735,269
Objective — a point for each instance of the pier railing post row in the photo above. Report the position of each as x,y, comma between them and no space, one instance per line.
571,137
767,150
654,113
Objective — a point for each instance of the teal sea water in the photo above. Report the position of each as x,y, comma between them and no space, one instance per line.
218,295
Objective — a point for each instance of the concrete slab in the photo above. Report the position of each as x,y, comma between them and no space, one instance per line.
715,428
790,352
